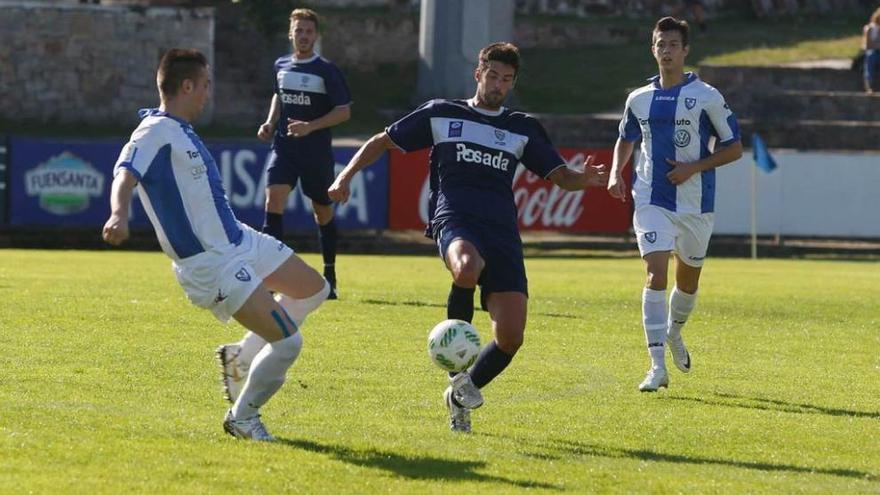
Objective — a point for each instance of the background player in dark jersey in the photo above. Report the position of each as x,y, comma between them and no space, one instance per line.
310,97
475,146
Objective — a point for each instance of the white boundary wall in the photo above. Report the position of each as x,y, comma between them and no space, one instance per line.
822,194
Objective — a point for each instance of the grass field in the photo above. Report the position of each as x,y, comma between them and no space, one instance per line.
108,385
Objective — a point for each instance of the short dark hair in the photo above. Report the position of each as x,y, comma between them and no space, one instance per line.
671,24
177,65
504,52
306,15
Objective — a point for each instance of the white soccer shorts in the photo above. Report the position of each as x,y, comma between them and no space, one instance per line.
222,279
658,229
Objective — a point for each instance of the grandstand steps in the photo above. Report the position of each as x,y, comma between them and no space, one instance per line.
812,105
737,79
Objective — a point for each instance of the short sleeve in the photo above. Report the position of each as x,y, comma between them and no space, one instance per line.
337,89
138,154
413,132
539,155
723,120
629,129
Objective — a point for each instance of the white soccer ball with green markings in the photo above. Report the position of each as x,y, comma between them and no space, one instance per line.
453,345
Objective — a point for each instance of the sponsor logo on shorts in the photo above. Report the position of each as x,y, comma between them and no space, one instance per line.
690,103
696,258
455,128
280,246
682,138
651,237
243,275
220,297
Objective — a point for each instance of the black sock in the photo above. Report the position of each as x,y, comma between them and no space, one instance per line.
273,225
327,239
460,305
490,364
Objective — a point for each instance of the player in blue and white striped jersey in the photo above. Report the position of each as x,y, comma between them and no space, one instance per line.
687,130
222,265
475,147
311,96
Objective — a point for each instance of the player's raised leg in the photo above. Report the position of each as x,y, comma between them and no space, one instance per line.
654,319
465,264
276,196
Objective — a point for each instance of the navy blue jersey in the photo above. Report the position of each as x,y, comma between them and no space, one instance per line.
308,89
474,155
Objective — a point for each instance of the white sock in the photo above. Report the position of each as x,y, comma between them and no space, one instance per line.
298,309
267,375
654,319
250,345
680,306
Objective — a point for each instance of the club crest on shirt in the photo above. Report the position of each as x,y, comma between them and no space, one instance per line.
690,103
243,275
305,80
651,237
500,135
455,128
682,138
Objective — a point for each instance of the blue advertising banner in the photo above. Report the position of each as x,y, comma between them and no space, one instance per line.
67,184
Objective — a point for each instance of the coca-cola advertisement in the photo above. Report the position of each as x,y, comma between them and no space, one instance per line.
540,204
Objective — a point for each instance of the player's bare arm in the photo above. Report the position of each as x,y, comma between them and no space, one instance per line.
575,180
116,228
268,128
299,128
681,172
366,156
623,150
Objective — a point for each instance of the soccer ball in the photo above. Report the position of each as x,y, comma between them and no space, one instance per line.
453,345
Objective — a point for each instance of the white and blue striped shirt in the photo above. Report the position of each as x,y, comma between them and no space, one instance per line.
681,123
179,186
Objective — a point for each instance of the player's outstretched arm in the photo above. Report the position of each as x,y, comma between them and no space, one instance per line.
369,153
623,150
575,180
116,228
268,128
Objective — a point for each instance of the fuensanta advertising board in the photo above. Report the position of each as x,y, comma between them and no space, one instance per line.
540,204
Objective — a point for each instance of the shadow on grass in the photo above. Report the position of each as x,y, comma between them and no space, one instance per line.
732,400
382,302
578,448
418,468
555,449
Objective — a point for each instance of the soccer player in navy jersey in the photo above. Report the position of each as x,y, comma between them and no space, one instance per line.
476,145
223,265
680,120
311,96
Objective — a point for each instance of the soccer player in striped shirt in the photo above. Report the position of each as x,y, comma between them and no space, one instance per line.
223,265
687,130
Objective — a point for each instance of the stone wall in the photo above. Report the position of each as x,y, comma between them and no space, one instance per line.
66,63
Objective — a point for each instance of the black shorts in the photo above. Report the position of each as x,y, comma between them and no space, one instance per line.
500,248
314,178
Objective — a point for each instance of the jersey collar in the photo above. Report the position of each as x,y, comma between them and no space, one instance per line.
155,112
490,113
689,77
304,60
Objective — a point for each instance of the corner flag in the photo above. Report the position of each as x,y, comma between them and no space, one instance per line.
763,160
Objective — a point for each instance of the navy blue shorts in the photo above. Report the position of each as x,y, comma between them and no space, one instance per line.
314,178
500,248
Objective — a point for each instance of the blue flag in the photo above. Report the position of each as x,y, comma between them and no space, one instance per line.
763,160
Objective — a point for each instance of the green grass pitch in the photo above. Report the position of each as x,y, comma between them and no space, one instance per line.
108,385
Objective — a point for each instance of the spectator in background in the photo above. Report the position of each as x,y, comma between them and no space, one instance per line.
871,45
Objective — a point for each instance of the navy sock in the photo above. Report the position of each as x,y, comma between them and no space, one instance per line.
327,239
273,225
460,305
490,364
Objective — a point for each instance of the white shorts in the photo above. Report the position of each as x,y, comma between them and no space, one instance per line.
223,278
658,229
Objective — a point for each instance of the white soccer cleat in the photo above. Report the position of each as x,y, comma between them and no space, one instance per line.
232,375
459,417
249,429
465,392
656,378
680,355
